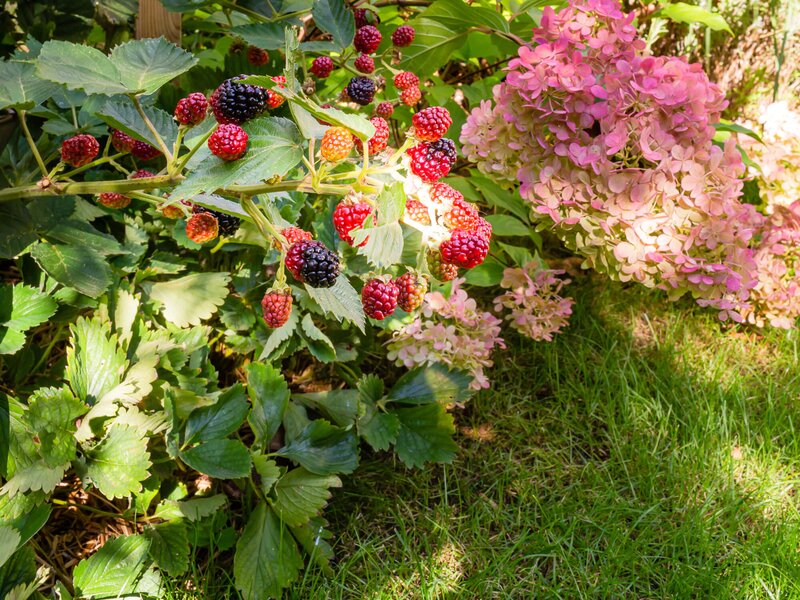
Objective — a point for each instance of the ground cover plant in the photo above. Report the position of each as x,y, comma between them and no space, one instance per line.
233,268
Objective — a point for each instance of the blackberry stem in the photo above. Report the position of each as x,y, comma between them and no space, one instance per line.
151,127
24,125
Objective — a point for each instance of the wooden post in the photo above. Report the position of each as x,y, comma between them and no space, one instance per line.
154,21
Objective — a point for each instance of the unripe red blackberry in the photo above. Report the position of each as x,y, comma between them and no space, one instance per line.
257,56
292,235
412,291
234,102
464,249
121,142
367,39
361,90
439,268
274,99
113,200
403,36
202,227
417,212
411,96
192,109
228,142
385,110
379,298
227,224
462,215
79,150
483,229
444,194
142,174
405,79
364,64
144,151
378,142
348,216
431,123
276,306
322,66
176,210
431,161
336,144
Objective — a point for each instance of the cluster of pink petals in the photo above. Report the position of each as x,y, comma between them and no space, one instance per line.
776,297
778,158
451,331
533,297
613,150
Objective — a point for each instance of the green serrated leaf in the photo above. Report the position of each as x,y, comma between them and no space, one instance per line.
267,559
341,406
79,67
220,419
35,477
199,508
20,88
426,435
341,301
9,541
313,538
384,244
334,17
300,495
77,267
191,299
279,336
268,36
114,570
434,383
51,416
120,113
220,459
274,148
317,342
268,472
23,307
169,546
323,449
147,64
269,395
119,463
95,363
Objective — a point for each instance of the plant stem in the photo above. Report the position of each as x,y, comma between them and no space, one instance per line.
161,143
147,197
24,125
186,157
94,163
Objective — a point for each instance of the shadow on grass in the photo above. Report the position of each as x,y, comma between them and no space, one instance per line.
648,452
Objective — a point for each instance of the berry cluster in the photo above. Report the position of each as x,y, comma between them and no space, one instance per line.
380,296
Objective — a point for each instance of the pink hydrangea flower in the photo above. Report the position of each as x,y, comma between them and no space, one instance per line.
537,309
451,331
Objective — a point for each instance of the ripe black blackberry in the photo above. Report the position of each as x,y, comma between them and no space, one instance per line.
361,90
320,266
228,224
234,102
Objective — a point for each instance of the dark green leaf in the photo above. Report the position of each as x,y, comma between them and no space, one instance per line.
426,435
487,274
332,16
435,383
317,342
147,64
169,546
79,67
268,36
220,459
269,395
113,570
300,495
220,419
341,406
78,267
120,113
341,301
323,449
20,88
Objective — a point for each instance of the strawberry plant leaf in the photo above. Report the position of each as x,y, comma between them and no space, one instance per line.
34,477
279,336
191,299
77,267
21,308
20,88
340,300
267,559
300,495
341,406
9,541
147,64
378,429
220,459
274,147
119,463
313,538
79,67
268,472
114,570
169,546
426,435
434,383
51,416
95,363
318,344
218,420
269,395
332,16
323,449
11,340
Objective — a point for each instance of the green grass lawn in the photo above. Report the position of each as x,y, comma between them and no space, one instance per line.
648,452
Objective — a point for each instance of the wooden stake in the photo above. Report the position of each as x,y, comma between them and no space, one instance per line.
155,21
